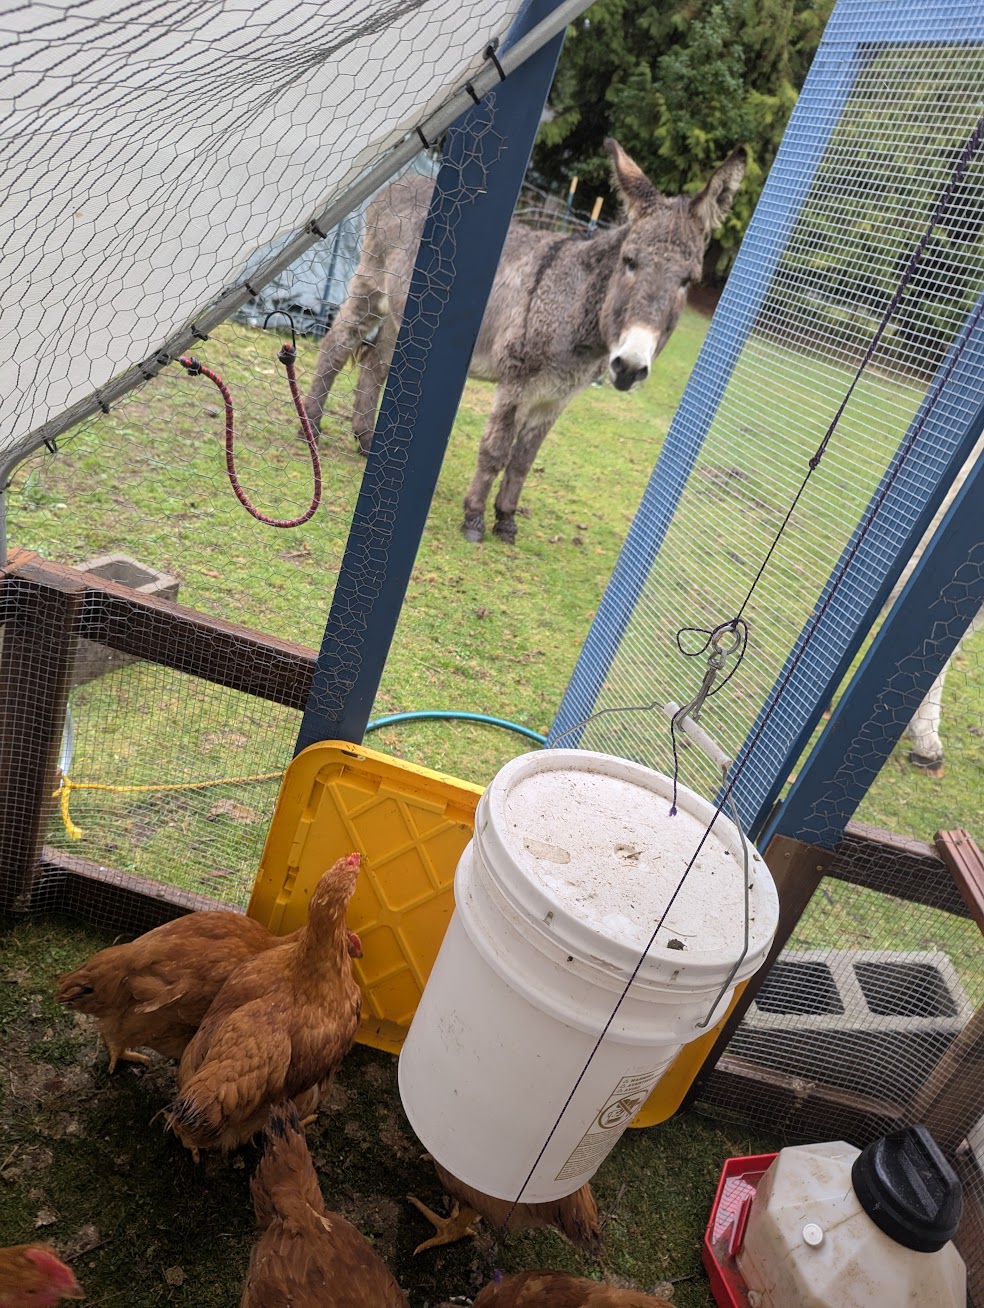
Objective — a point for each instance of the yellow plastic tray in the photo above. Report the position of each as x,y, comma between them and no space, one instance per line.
669,1092
410,824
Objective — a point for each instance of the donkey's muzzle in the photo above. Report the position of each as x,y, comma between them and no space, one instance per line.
627,373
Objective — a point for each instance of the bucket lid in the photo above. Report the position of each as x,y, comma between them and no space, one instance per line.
908,1189
585,843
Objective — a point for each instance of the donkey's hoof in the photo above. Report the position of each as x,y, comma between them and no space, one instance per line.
473,528
505,527
934,766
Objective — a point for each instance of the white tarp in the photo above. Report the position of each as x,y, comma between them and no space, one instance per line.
148,149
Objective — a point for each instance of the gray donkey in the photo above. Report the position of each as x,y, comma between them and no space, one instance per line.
560,308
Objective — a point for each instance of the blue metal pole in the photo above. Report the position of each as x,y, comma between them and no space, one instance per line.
827,87
486,156
936,605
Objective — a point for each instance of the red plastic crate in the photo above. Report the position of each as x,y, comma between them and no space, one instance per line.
726,1227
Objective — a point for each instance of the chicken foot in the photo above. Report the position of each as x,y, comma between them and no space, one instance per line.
118,1055
458,1225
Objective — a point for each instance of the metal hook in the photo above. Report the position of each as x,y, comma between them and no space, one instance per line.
283,313
735,643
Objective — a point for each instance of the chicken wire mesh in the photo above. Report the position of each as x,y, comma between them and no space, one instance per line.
166,775
865,256
237,128
873,152
238,125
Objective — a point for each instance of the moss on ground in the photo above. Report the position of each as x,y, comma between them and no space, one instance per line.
83,1164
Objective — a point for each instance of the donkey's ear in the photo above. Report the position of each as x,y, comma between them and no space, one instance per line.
634,187
711,206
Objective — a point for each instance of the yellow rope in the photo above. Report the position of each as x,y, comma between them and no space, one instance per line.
67,786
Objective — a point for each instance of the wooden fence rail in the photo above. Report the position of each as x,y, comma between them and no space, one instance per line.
46,608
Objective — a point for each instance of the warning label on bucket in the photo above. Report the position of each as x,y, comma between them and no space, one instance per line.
616,1113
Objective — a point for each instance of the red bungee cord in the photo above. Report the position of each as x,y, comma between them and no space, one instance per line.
288,357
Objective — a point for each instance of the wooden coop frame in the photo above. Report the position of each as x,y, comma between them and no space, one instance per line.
50,608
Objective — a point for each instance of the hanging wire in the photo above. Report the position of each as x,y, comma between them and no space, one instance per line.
726,797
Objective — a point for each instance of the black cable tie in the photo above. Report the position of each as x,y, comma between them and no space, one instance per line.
162,358
51,445
315,230
489,53
199,336
102,403
423,139
471,91
250,289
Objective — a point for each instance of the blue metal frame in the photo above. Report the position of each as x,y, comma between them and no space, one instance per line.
932,613
815,668
831,78
486,157
856,30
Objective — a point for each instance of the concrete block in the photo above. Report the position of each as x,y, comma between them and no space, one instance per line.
871,1021
94,660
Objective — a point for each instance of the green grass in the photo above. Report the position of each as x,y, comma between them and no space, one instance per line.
487,629
81,1155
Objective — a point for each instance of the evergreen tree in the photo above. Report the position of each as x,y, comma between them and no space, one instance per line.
679,83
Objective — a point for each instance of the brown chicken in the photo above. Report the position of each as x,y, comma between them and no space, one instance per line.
558,1290
307,1256
575,1216
32,1276
155,990
276,1030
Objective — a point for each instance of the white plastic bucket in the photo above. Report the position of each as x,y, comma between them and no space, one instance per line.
574,860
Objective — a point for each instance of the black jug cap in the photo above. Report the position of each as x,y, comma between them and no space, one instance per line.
908,1189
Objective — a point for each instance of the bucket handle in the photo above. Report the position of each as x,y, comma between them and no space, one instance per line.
709,747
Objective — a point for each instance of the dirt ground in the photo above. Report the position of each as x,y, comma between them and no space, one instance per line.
85,1164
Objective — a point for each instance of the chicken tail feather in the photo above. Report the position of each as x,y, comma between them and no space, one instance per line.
195,1119
285,1181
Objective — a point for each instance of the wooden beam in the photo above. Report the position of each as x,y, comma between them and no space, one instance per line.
797,869
41,624
960,853
107,897
907,869
797,1108
951,1099
161,631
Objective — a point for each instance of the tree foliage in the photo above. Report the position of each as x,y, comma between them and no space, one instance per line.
679,83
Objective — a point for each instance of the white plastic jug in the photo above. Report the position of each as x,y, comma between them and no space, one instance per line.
574,860
832,1226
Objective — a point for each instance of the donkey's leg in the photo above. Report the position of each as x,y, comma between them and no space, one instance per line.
924,729
353,322
525,449
375,358
493,453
